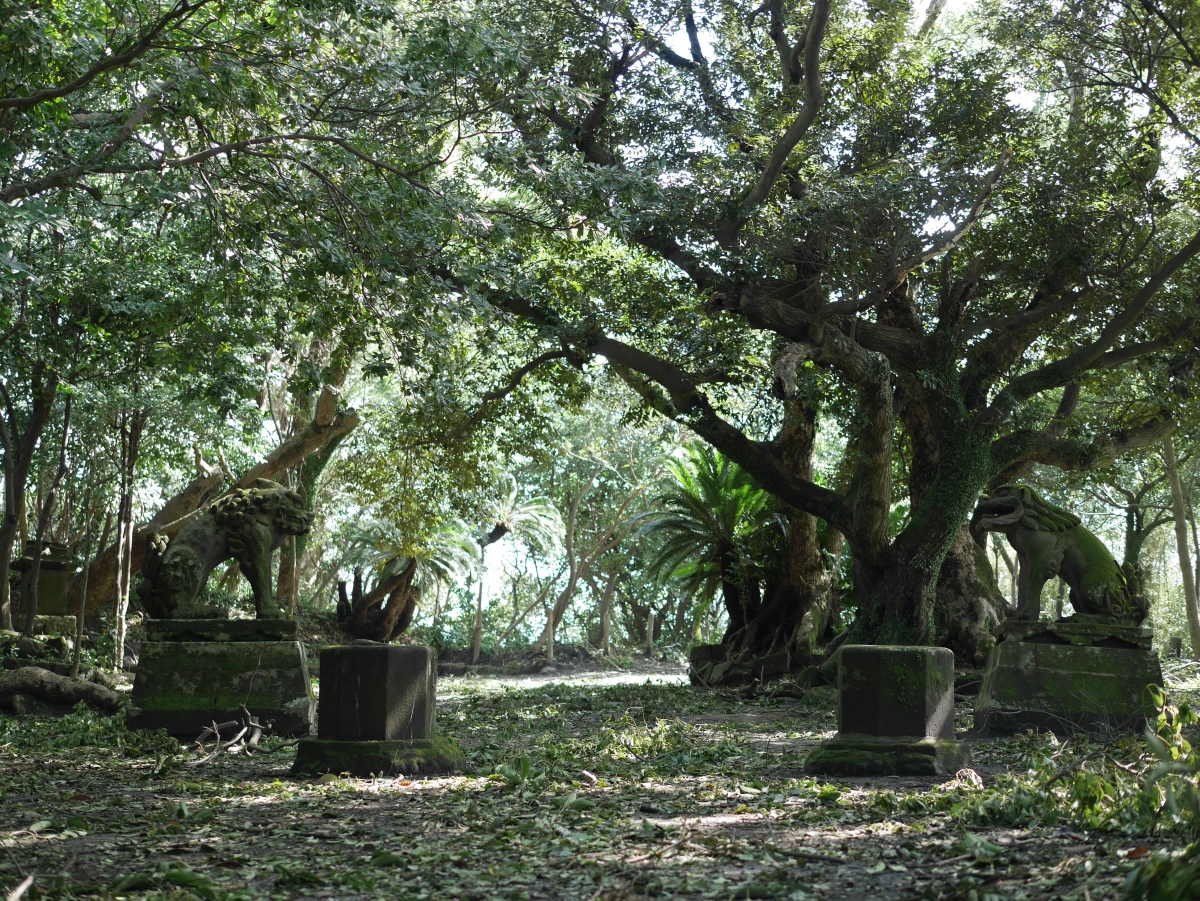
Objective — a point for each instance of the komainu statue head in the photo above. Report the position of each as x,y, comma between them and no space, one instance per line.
1051,541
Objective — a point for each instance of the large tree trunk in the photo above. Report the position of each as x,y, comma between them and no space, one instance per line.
928,586
968,602
931,584
797,586
43,521
311,469
383,613
54,689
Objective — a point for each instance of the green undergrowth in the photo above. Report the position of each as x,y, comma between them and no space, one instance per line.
1134,785
82,728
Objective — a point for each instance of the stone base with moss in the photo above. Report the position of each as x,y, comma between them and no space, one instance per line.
414,757
866,755
1050,680
895,714
185,686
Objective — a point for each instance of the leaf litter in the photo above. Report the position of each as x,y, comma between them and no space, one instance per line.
573,790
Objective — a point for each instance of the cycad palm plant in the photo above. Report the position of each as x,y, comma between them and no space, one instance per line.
713,522
401,574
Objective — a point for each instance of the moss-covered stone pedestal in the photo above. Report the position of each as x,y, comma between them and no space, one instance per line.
412,757
184,686
376,715
1069,676
868,755
895,715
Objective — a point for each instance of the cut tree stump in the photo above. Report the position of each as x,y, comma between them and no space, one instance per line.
33,681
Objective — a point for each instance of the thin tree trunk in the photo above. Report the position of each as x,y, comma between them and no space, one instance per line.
1191,514
1181,541
44,519
18,450
437,605
293,586
477,639
540,599
998,543
605,613
80,612
131,424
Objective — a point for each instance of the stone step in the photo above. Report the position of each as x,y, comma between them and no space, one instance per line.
220,629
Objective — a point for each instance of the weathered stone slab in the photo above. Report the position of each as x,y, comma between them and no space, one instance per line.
377,692
417,757
46,625
220,629
896,691
895,714
1077,631
183,686
1065,688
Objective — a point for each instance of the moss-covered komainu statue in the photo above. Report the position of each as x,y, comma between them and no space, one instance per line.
245,524
1051,542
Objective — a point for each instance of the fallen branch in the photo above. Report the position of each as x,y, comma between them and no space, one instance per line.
17,893
214,731
55,689
220,747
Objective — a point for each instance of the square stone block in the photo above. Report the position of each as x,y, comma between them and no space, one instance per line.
896,692
184,686
1066,688
377,692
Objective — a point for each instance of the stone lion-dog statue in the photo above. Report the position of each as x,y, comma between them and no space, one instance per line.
1049,542
246,525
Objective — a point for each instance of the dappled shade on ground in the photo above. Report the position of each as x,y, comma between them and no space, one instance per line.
582,790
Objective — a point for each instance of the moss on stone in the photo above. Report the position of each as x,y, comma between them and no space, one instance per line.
417,757
1066,687
184,685
865,756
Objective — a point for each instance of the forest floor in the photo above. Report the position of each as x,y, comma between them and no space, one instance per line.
595,786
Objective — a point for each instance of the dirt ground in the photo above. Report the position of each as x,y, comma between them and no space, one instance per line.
593,784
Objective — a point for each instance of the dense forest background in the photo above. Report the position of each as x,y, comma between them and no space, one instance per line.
563,314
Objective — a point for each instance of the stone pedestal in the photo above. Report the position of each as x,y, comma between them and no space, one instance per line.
895,714
1068,676
194,672
53,576
376,714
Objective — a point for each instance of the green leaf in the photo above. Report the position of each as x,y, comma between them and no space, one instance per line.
133,882
387,859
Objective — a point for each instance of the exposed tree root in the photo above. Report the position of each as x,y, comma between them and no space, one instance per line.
47,686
